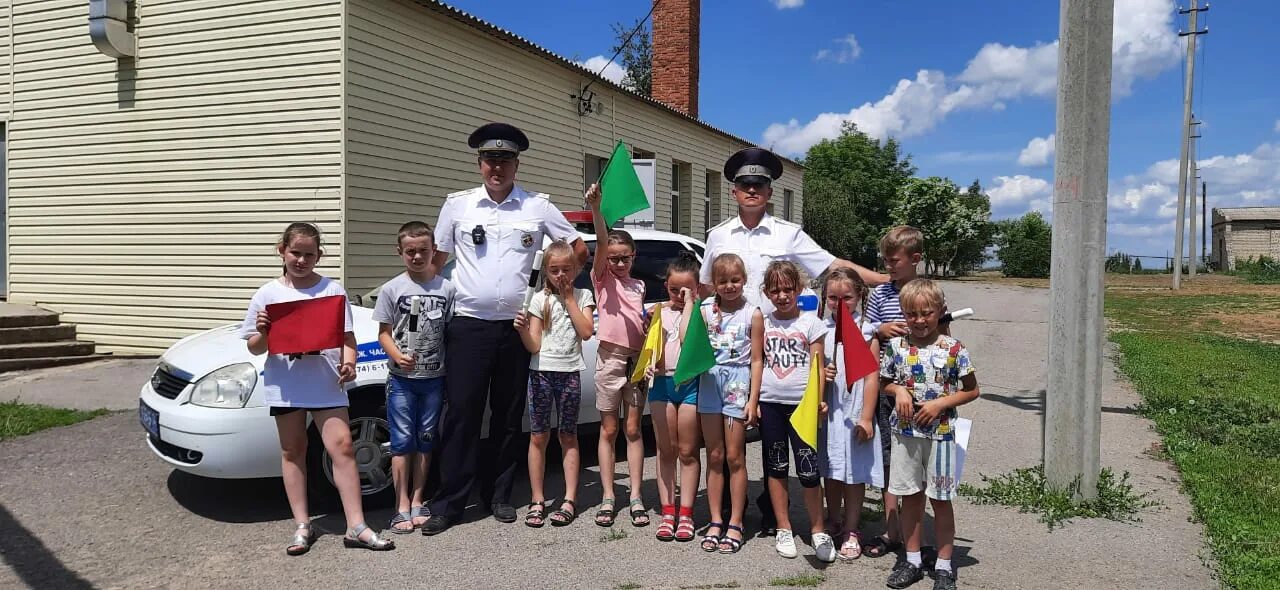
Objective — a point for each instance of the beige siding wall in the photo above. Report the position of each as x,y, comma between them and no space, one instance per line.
6,55
1246,239
144,196
418,82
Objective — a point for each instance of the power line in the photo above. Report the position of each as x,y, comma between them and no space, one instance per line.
623,45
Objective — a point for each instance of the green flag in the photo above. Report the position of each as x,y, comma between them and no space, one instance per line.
696,354
620,191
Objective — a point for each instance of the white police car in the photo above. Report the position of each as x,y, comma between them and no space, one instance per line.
203,409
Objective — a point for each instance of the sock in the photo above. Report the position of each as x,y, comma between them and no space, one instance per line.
943,565
913,558
686,511
669,510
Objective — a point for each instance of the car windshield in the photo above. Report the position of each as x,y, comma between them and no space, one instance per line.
650,266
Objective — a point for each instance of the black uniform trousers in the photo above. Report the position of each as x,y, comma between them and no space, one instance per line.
483,360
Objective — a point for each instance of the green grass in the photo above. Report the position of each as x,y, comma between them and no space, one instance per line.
1216,403
19,419
1027,489
1263,270
803,581
613,535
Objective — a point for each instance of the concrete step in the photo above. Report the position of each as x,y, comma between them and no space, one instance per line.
13,315
37,334
21,364
28,350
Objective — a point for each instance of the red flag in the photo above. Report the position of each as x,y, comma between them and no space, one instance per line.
858,360
307,325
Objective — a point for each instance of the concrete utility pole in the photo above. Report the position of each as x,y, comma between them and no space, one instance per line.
1191,35
1073,401
1191,204
1204,225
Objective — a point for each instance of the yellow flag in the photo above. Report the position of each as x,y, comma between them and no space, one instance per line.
651,352
805,418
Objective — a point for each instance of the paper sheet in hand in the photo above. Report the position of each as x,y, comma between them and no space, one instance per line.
306,325
962,426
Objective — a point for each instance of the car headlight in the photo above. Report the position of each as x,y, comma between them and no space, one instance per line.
228,387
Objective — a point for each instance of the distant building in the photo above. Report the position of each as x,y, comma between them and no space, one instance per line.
1241,233
144,193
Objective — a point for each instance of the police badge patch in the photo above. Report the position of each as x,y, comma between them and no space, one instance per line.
526,240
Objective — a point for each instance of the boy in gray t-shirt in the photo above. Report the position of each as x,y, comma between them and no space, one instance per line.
412,312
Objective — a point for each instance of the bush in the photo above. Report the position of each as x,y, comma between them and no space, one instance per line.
1263,270
1025,246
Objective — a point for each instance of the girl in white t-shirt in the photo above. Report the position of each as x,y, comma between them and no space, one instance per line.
313,382
553,328
792,341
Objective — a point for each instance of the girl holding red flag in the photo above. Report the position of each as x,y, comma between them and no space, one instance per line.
849,458
294,384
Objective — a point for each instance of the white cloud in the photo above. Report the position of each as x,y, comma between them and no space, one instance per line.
612,72
962,157
1038,151
846,51
1017,192
1144,44
785,4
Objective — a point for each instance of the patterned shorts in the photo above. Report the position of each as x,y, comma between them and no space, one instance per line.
560,389
922,464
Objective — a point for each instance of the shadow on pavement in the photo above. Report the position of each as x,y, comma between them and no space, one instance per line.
31,560
230,500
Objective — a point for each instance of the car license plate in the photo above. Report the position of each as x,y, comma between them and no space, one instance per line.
149,418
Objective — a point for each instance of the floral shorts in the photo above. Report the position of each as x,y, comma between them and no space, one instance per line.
559,389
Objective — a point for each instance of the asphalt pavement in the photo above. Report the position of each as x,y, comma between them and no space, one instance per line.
88,506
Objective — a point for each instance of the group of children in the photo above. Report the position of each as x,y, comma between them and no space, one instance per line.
893,429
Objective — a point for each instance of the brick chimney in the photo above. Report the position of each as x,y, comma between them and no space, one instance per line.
676,26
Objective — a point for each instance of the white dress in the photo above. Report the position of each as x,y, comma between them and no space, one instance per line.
844,458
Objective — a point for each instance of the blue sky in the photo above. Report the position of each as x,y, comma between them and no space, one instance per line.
969,89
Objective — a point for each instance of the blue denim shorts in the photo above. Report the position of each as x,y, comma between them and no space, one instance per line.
413,412
725,390
664,390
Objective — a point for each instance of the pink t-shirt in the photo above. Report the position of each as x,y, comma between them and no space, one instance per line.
620,305
671,348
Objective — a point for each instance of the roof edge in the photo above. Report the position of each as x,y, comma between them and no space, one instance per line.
482,25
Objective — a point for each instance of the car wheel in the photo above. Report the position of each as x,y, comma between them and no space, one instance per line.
371,445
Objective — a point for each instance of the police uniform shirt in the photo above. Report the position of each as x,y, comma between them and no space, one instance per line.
773,239
491,278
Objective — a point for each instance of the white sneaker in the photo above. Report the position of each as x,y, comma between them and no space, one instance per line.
825,547
785,543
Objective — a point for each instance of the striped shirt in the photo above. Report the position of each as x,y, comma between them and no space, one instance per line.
883,305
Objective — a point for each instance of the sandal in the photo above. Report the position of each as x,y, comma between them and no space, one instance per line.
416,512
879,546
685,529
851,549
402,518
375,543
639,514
536,516
667,526
710,542
562,517
729,544
606,513
302,539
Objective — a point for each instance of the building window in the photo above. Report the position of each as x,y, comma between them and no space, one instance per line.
786,204
675,197
712,187
592,166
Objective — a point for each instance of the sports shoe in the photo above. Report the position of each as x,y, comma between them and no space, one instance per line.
785,543
944,580
904,574
825,547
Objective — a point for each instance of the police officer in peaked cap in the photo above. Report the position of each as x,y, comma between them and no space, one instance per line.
493,231
760,238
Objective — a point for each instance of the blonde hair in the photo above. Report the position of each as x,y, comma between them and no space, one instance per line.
922,290
556,248
903,237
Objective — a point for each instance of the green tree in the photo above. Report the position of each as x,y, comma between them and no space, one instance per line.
1025,246
636,55
973,253
949,222
850,186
